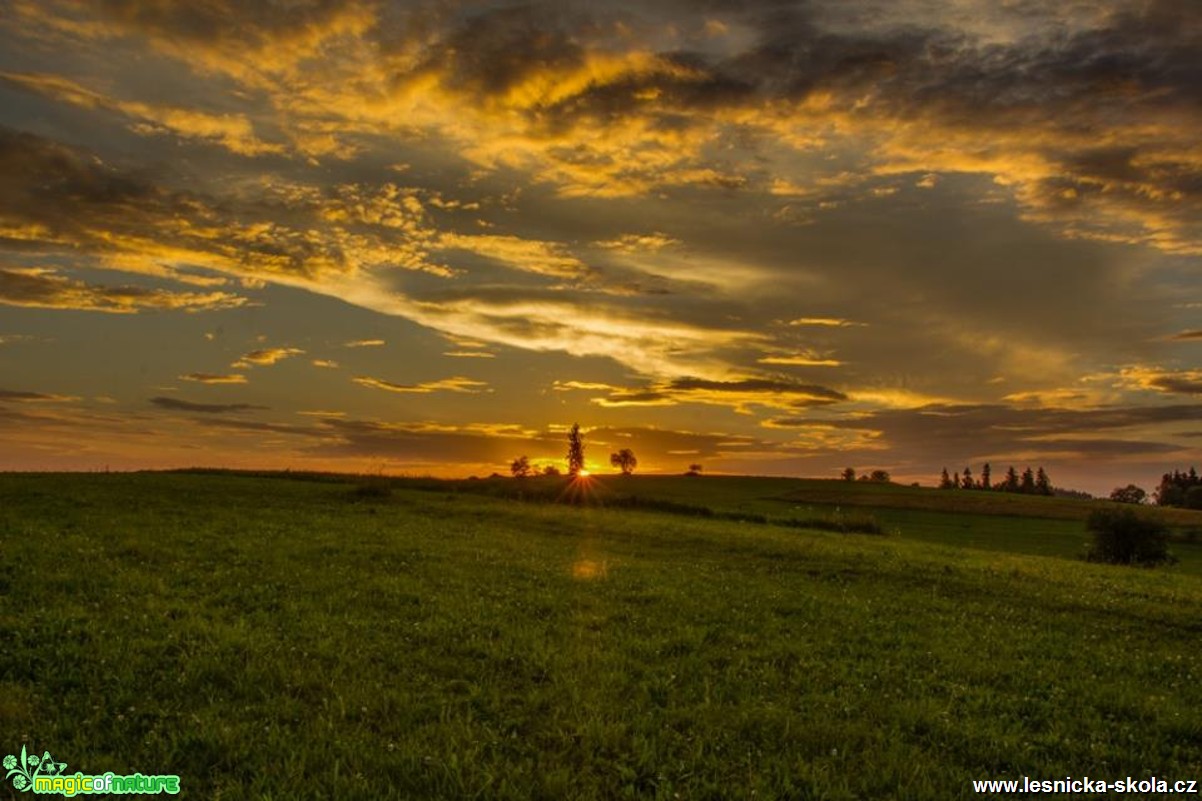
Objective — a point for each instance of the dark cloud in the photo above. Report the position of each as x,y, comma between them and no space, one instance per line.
755,385
1104,447
961,433
1177,384
226,25
1187,336
254,426
638,397
17,395
177,404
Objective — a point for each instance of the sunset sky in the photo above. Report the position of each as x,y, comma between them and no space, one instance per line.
768,237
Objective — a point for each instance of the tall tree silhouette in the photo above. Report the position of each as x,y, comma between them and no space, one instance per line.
985,485
1043,485
1028,482
1011,483
967,482
575,450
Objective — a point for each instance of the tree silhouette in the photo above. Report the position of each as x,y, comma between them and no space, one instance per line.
551,470
1043,485
1028,482
945,481
985,477
1128,494
575,450
1011,483
967,482
879,476
848,474
624,460
520,467
1174,488
694,470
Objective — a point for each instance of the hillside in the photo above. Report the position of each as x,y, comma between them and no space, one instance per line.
298,639
992,521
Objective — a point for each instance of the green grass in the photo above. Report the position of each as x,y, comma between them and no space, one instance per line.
266,638
991,521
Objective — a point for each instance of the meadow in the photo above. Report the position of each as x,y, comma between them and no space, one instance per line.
271,638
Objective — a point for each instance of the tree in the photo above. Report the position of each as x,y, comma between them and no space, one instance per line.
550,470
848,474
1193,497
694,470
967,482
1011,483
520,467
1028,483
985,480
945,481
1128,494
575,451
1043,485
1175,487
879,476
624,460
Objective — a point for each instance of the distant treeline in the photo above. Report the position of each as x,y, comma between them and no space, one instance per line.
1180,489
1029,482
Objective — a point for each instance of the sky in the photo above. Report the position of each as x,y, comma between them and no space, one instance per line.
777,238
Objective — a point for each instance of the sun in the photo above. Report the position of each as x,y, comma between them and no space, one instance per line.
583,474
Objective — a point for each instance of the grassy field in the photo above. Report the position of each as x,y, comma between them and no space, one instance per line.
991,521
280,639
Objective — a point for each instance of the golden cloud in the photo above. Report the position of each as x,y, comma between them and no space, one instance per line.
47,289
454,384
266,356
639,243
215,378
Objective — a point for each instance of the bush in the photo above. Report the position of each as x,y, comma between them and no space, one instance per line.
1122,537
374,488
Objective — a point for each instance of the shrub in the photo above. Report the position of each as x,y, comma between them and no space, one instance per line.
1122,537
372,489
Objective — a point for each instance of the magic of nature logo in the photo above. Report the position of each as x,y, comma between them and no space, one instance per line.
46,776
